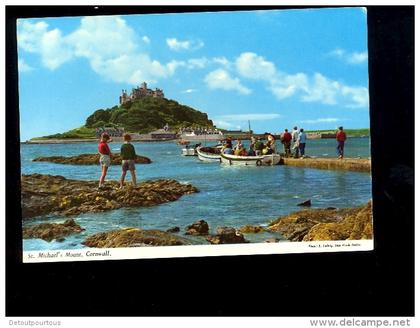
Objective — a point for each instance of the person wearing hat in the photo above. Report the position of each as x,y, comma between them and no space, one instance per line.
341,138
105,157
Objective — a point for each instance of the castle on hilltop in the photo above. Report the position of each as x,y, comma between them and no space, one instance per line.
140,92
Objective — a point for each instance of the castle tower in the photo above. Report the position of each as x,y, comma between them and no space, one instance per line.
143,86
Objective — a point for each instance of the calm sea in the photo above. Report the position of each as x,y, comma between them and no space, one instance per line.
229,196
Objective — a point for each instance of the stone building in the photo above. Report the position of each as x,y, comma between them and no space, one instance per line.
139,92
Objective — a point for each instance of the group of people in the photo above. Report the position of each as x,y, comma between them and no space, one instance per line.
128,156
294,143
256,147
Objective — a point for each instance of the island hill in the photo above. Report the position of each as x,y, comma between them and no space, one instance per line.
141,112
145,110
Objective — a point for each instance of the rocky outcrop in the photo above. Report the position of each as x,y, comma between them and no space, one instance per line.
52,231
88,159
173,230
133,237
349,164
251,229
198,228
45,194
326,224
227,235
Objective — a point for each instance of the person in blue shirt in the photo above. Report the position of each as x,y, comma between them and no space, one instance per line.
302,142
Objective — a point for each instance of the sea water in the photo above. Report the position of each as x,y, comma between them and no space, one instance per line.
229,196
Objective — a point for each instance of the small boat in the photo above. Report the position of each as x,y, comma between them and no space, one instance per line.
208,154
266,160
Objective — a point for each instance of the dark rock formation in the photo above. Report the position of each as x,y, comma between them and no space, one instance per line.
198,228
44,194
88,159
173,230
326,224
51,231
227,235
133,237
305,203
251,229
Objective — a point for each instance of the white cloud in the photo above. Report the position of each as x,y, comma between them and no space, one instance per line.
358,95
322,90
23,67
357,57
197,63
107,42
322,120
103,36
146,39
225,125
50,45
190,91
220,79
222,61
251,117
353,58
177,45
252,66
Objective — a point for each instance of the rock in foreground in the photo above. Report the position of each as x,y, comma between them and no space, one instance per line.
45,194
88,159
133,237
227,235
326,224
51,231
198,228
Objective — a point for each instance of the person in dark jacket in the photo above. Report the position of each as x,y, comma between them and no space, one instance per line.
341,138
128,156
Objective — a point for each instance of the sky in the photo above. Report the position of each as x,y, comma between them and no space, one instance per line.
275,68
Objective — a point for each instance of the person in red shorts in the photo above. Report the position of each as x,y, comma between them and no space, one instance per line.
341,138
105,157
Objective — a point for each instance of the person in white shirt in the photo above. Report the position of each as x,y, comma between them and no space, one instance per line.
295,144
302,142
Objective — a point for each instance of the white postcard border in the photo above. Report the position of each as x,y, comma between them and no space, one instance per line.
156,252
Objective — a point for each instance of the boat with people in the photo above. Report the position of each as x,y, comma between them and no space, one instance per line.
209,154
262,160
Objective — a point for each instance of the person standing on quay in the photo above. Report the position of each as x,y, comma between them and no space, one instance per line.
286,139
128,156
341,138
295,144
105,157
302,142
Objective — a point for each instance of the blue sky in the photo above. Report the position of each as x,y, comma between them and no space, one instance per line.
276,68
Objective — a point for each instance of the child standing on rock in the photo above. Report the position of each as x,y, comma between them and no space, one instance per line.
105,157
128,156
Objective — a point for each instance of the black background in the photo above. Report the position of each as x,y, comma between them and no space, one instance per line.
376,283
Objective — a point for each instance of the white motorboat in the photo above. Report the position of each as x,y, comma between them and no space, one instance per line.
263,160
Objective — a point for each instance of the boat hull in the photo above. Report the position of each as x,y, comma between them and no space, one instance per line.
207,157
264,160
